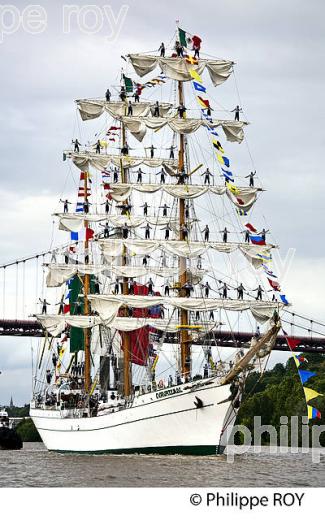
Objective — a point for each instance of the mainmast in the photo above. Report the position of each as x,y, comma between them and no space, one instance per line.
86,301
126,340
184,336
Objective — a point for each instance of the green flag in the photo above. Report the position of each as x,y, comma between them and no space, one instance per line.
128,84
76,334
183,37
75,289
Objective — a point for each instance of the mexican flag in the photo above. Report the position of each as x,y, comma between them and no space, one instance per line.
186,39
128,84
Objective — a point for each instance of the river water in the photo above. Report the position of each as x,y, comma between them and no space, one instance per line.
34,466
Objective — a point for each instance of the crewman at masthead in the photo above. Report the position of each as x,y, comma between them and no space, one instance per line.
65,205
76,145
207,174
162,176
130,109
145,207
206,232
44,305
240,291
181,110
237,110
251,178
156,111
162,50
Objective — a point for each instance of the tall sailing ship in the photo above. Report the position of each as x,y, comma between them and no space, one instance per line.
151,274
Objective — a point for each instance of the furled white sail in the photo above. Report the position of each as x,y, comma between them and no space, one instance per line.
105,305
90,108
55,324
120,192
179,68
75,222
137,126
93,108
61,273
189,249
86,159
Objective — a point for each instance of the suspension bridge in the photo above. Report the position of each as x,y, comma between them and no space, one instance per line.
23,281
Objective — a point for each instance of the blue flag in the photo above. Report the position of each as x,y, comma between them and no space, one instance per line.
305,375
198,86
284,299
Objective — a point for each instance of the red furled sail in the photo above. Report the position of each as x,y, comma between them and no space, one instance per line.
139,339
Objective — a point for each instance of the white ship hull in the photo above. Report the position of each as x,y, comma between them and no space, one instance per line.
165,421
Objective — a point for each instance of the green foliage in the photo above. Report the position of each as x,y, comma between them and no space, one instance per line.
279,393
18,411
27,431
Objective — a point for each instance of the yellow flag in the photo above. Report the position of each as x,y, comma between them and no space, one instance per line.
154,363
310,394
220,159
195,75
233,188
310,411
218,145
296,361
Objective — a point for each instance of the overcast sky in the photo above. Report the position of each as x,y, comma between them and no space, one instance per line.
278,48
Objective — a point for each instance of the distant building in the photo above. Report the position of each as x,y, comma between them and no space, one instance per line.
11,405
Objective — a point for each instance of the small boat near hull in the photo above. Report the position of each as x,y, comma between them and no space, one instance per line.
9,439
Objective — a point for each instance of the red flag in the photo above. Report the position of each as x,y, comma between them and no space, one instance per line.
275,285
292,343
204,101
196,40
89,233
250,227
66,309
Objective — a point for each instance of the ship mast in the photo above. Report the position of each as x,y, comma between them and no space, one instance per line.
184,336
126,340
86,301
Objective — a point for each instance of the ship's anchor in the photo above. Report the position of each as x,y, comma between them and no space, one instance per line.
198,402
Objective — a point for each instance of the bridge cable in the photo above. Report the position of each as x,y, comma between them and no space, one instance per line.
16,303
301,327
4,293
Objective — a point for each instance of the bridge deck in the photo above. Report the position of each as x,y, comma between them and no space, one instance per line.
32,328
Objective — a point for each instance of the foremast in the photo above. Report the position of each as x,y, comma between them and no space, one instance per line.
86,280
184,336
126,340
